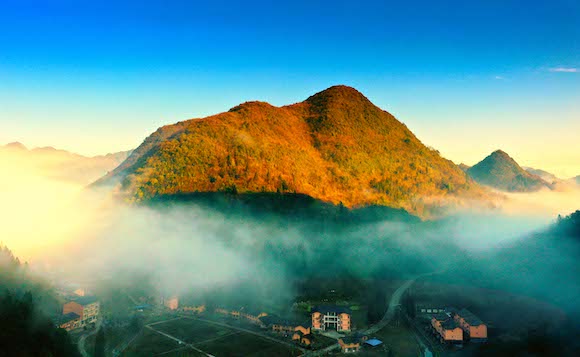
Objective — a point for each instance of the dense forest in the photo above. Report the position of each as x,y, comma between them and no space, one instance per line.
499,170
25,328
336,146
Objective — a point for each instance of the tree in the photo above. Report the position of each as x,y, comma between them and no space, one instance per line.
100,344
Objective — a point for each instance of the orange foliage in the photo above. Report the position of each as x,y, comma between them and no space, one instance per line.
336,146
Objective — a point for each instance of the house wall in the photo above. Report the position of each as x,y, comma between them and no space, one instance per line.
347,348
71,325
478,331
453,335
172,303
91,312
320,321
448,335
304,330
282,328
253,318
317,321
199,309
344,322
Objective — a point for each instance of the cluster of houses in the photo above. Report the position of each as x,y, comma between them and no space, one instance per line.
354,343
457,326
323,318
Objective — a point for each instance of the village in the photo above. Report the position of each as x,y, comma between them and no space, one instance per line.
326,329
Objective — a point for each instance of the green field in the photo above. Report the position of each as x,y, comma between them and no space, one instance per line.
246,345
150,343
192,331
216,340
400,340
184,352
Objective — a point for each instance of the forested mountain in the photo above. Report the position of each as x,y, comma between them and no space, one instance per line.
500,171
25,329
336,146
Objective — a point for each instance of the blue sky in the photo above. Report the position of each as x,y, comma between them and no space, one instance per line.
467,77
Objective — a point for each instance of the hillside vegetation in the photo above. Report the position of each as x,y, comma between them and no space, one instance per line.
336,147
500,171
26,329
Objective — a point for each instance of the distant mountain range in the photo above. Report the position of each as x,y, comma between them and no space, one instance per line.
336,147
64,165
500,171
544,175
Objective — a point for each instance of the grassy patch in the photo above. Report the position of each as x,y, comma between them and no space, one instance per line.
400,339
246,345
150,343
192,331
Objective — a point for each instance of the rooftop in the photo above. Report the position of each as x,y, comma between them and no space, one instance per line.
250,311
324,309
449,324
354,338
441,316
277,320
374,342
85,300
446,321
68,317
470,318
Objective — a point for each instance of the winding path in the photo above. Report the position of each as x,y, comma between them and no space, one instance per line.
394,303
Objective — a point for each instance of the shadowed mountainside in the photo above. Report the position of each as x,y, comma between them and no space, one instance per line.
336,147
500,171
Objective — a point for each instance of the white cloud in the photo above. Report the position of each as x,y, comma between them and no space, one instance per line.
564,69
499,78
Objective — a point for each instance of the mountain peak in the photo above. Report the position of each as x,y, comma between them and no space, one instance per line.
499,152
251,105
15,146
501,171
341,93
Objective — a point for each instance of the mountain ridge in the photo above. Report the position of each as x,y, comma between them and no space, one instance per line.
63,164
336,146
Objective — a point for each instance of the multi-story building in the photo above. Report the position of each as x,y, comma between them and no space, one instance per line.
331,317
171,303
446,328
251,315
86,307
196,309
474,328
70,321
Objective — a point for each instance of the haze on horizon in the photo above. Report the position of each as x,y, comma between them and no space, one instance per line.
94,78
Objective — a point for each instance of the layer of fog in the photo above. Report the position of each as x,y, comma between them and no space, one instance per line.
83,236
